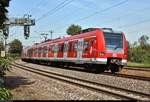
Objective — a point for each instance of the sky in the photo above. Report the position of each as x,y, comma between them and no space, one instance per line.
129,16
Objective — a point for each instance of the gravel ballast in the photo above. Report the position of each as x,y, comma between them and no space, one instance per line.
29,86
131,84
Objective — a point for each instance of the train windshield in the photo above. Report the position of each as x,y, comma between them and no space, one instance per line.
114,41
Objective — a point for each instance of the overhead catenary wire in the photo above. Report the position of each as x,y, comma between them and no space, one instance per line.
36,6
72,14
134,24
126,15
98,12
101,11
54,10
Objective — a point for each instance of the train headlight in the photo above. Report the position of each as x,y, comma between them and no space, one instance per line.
102,53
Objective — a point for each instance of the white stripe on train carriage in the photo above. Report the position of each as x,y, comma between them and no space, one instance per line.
75,59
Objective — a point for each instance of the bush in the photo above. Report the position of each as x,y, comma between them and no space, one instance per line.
4,66
13,56
5,94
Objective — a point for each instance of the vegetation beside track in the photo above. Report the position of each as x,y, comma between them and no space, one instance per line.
5,94
139,65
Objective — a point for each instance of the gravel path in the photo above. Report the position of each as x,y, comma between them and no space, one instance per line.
29,86
131,84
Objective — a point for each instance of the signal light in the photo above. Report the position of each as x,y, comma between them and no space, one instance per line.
6,32
26,31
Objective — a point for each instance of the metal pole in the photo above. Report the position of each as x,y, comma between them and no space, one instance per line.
51,34
5,46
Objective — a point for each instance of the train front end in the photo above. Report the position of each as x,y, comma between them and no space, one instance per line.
114,50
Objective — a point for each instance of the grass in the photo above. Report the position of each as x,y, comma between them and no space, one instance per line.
134,64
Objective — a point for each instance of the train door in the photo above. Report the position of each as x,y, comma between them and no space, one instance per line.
65,49
86,48
55,51
93,47
79,52
69,54
60,53
75,48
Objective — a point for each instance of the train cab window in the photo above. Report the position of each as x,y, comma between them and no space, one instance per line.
86,45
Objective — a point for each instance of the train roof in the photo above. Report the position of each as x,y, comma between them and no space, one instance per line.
84,33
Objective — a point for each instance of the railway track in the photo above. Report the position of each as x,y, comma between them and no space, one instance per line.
98,87
143,78
138,69
128,76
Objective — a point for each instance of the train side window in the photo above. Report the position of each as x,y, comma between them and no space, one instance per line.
45,50
56,48
70,46
50,49
86,44
39,50
75,46
35,50
65,47
62,47
92,41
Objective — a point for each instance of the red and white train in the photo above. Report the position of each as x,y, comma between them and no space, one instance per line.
97,49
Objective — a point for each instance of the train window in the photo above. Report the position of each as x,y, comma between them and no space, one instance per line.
50,49
70,46
75,46
40,50
66,47
86,44
55,48
45,50
30,52
92,41
35,50
62,48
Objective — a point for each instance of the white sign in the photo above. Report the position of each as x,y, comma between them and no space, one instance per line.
2,53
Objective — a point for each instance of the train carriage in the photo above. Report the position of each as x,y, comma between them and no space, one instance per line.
97,49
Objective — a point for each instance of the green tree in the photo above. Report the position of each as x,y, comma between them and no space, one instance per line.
143,41
3,12
74,29
15,47
140,51
129,50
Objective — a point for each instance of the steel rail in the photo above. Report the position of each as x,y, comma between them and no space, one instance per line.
87,84
138,69
128,76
